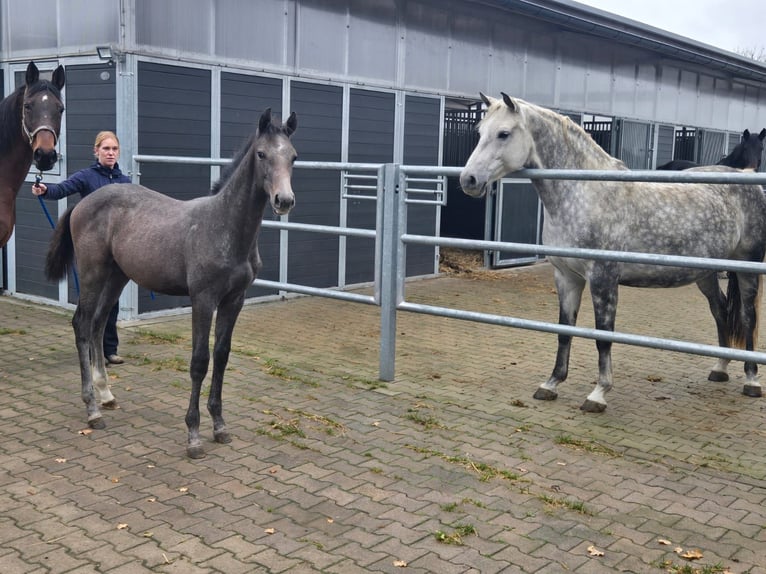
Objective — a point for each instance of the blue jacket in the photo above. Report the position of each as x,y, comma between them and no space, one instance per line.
86,181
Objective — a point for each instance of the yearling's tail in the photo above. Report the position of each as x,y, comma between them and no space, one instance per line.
736,330
61,249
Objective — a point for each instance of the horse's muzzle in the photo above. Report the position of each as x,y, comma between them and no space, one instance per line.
45,159
471,186
283,203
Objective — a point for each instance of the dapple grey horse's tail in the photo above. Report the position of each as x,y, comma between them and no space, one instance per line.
736,330
61,249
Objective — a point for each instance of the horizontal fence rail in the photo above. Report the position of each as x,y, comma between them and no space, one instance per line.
396,186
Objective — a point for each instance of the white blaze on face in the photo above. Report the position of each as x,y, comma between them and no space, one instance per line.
45,98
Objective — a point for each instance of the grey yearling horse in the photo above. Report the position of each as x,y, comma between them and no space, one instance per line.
206,248
702,220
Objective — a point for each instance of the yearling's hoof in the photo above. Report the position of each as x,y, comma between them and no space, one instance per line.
542,394
195,452
593,407
222,437
718,376
752,391
109,405
97,423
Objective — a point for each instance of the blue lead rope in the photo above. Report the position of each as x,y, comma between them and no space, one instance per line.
38,179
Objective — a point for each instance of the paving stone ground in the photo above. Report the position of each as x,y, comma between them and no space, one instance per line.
451,468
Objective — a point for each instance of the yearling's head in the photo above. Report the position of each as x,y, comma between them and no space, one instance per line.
504,146
41,115
274,158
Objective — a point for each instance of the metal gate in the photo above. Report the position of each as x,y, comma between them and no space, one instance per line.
634,144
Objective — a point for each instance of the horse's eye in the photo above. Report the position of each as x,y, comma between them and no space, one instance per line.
261,155
27,106
503,135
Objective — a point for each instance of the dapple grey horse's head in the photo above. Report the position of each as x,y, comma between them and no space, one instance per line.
505,145
274,158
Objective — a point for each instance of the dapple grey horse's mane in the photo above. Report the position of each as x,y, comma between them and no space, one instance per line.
573,134
273,127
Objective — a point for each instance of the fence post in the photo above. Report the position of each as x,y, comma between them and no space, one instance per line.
389,272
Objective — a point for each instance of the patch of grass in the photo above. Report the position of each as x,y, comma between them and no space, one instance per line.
456,536
588,446
154,338
453,506
575,505
673,568
6,331
427,422
486,472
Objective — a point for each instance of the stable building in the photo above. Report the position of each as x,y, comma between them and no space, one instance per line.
372,81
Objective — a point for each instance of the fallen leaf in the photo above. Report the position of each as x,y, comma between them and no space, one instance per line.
692,555
151,500
269,531
664,542
593,551
148,534
561,463
400,563
330,521
60,460
122,526
376,424
183,489
85,432
115,479
678,550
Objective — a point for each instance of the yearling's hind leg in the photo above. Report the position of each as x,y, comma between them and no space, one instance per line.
603,288
228,311
717,302
82,323
110,293
569,289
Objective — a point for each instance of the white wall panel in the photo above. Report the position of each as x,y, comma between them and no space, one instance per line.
252,30
426,45
373,40
469,52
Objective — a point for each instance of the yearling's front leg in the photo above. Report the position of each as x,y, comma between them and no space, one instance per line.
228,311
569,288
603,288
202,318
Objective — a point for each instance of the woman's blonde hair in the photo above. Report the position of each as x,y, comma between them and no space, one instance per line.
101,136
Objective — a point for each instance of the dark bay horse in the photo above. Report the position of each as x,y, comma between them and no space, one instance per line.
748,154
703,220
30,121
206,248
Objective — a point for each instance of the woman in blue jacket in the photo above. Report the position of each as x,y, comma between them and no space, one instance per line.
103,172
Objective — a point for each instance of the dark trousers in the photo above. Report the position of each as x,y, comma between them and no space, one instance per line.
110,332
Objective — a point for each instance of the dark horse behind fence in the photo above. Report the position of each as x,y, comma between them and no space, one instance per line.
748,154
30,121
721,221
206,248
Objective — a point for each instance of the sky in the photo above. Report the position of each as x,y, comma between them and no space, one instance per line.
731,25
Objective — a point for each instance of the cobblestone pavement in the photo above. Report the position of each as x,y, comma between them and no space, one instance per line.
452,468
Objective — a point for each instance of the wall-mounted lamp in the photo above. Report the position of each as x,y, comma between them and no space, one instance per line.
107,54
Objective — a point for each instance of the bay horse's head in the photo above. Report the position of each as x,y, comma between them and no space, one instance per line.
41,115
505,145
274,158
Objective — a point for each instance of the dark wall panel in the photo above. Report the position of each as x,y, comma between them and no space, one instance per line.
421,147
243,99
173,119
370,140
90,108
313,257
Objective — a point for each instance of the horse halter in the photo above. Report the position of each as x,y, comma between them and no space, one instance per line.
31,135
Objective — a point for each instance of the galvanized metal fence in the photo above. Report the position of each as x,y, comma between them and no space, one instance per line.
397,186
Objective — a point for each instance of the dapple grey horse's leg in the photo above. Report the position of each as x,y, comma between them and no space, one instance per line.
82,323
228,311
603,289
711,289
569,288
749,286
202,319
